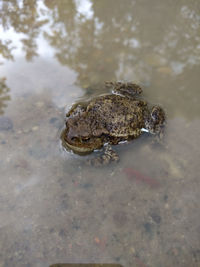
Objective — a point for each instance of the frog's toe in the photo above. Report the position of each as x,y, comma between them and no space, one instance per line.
128,89
110,154
107,157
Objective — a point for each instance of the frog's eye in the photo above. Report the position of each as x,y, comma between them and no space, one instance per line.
75,139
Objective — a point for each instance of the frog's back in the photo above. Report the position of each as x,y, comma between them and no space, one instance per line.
122,116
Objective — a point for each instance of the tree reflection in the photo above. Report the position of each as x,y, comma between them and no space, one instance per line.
118,40
4,96
5,49
114,31
23,17
92,46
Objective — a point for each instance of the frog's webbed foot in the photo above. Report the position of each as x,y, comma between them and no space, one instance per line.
127,89
108,156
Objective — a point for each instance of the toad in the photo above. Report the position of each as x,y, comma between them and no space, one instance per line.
109,119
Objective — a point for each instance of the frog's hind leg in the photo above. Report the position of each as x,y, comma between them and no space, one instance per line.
128,89
107,157
156,123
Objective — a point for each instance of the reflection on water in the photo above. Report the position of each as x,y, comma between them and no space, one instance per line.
108,40
53,207
4,96
24,19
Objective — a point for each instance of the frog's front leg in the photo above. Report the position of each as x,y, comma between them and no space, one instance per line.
127,89
76,109
108,156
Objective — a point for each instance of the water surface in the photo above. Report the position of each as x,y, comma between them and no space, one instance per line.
143,211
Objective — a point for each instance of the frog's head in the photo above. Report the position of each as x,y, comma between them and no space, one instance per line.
78,136
156,120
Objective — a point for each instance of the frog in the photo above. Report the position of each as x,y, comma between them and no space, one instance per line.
118,116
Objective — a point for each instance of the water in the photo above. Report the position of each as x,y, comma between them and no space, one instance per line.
143,211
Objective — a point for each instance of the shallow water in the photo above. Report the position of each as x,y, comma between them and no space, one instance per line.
143,211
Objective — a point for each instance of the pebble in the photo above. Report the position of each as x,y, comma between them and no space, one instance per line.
38,152
165,70
39,104
35,128
148,227
55,122
26,130
132,250
166,206
174,167
156,217
6,124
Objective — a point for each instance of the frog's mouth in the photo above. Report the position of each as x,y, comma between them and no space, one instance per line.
80,145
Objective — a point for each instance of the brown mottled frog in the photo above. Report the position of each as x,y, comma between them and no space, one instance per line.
109,119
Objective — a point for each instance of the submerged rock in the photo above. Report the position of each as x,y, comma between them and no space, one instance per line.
6,124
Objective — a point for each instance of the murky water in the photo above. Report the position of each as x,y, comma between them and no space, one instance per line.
143,211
